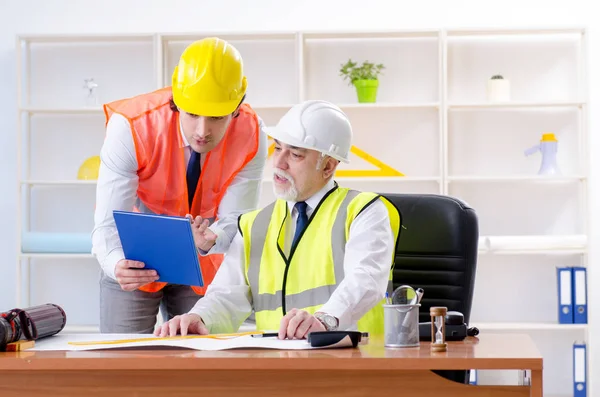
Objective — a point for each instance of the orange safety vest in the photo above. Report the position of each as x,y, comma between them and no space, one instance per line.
162,170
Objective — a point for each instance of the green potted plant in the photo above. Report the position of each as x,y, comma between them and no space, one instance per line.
364,78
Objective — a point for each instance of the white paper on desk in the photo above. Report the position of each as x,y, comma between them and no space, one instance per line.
61,342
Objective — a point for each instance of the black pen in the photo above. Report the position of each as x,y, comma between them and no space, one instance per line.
266,335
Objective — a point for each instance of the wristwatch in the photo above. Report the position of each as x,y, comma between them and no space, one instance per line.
329,321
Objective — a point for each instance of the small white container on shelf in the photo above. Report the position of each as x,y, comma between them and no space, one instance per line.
498,89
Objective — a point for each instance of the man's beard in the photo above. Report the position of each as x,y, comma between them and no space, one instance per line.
290,193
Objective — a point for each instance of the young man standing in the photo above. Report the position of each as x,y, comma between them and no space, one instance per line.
193,149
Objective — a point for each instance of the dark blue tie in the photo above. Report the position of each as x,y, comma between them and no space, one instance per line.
192,175
301,221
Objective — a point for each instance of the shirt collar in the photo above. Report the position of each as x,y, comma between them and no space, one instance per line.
184,141
316,198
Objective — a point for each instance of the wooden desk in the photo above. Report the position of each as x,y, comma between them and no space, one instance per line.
371,370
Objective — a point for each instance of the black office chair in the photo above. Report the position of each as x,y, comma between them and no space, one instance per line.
437,251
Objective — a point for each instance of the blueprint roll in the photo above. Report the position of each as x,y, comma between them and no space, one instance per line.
31,324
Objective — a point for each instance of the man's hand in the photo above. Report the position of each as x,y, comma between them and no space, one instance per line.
204,238
130,277
187,323
296,324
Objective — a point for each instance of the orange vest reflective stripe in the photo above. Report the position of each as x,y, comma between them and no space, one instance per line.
160,156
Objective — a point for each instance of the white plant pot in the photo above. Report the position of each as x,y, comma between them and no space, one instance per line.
498,90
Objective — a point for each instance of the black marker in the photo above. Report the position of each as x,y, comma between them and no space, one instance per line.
266,335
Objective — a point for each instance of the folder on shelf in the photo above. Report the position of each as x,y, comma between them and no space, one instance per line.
163,243
473,377
580,295
565,294
579,369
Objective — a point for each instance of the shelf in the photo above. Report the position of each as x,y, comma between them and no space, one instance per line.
401,179
100,110
362,35
376,105
60,182
389,105
229,36
308,35
512,105
49,110
44,255
528,326
553,244
534,251
519,178
415,82
457,179
55,69
513,32
77,38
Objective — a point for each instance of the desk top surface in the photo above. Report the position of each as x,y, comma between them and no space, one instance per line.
487,351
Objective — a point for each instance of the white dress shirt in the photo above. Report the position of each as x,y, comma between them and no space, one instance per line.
367,259
118,183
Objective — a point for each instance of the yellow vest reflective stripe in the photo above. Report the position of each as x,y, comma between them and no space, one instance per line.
315,268
310,297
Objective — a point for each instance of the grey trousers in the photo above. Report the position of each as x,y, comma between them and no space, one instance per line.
135,312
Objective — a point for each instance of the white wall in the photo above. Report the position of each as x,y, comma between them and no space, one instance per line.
63,16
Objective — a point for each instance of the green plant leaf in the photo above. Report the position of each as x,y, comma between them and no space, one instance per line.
351,71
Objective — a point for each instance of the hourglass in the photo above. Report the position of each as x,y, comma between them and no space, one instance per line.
438,328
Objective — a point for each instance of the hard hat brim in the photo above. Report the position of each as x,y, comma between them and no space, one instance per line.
206,109
283,137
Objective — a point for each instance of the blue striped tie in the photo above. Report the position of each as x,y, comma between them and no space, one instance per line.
301,221
192,175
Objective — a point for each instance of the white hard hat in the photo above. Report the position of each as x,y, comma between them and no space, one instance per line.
317,125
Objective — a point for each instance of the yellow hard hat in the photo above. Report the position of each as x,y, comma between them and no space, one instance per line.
89,169
209,79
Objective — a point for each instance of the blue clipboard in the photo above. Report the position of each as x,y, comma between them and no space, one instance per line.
163,243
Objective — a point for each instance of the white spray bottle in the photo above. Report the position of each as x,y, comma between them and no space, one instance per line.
548,146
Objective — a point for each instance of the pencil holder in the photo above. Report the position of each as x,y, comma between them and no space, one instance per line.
401,325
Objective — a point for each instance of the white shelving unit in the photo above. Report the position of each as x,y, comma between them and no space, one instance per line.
432,122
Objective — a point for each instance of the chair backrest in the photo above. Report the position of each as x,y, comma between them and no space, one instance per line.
437,251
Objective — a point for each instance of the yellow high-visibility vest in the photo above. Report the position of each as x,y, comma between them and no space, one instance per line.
315,266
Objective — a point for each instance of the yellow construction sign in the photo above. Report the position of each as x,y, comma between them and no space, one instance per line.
384,169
